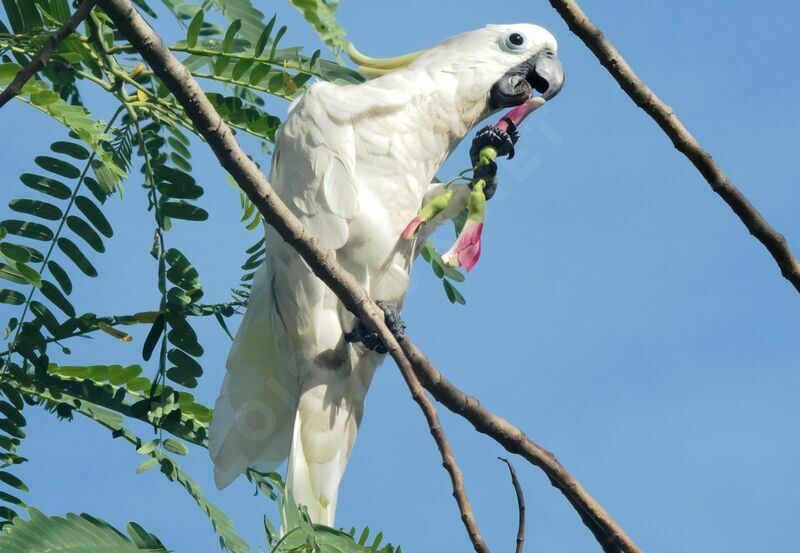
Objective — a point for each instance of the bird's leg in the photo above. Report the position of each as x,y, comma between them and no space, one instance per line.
499,139
370,339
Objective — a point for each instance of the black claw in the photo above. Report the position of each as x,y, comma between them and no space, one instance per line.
371,340
500,140
391,314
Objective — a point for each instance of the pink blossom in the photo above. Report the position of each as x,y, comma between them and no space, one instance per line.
467,249
413,227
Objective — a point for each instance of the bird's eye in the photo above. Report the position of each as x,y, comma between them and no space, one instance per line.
514,42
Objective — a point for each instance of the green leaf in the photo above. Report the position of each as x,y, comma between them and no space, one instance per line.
8,71
180,190
74,253
194,28
46,185
220,64
148,447
230,34
11,274
125,375
73,534
99,192
8,498
186,370
21,274
259,72
438,270
55,296
36,208
452,293
183,336
82,229
61,276
11,297
71,149
183,210
459,221
13,252
264,37
278,37
240,68
12,413
176,447
105,177
94,215
146,465
58,166
45,316
179,147
452,273
181,272
152,337
179,162
252,20
320,14
27,229
11,480
426,252
11,429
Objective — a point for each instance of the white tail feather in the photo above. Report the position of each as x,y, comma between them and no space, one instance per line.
328,415
254,414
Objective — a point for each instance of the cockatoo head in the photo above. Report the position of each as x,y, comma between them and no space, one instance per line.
495,67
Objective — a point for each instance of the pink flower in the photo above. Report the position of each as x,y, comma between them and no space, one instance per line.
413,227
467,249
428,212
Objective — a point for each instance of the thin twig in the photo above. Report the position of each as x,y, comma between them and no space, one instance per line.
50,45
681,138
221,140
520,504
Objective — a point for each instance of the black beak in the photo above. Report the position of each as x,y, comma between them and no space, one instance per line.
542,73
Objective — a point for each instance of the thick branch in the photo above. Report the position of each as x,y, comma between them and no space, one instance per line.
230,155
520,505
40,60
681,138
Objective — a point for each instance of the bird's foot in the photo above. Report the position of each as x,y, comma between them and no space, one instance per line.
370,339
500,140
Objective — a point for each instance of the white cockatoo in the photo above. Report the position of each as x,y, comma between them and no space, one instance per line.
355,164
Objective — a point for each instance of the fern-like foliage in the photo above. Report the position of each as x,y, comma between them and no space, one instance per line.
60,228
73,533
320,14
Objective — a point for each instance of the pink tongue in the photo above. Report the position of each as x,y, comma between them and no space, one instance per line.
519,113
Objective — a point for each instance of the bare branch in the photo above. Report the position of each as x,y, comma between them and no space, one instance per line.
606,531
520,504
40,60
230,155
681,138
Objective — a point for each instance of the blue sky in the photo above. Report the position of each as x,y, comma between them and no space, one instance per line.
620,314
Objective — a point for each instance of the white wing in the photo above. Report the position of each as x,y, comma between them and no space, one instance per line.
291,339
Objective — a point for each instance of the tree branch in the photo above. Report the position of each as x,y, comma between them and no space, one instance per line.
40,60
230,155
520,505
606,531
681,138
